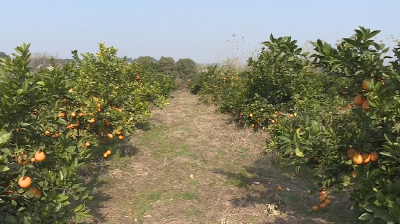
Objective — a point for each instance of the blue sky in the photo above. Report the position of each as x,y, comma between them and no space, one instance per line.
199,30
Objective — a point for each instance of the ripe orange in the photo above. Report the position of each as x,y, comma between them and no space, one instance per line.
55,135
105,155
279,188
374,156
61,115
73,114
70,90
24,182
80,114
315,208
350,153
291,115
322,198
327,202
273,121
33,159
120,137
357,158
364,84
116,87
319,160
366,105
98,110
118,132
251,115
366,158
87,144
108,152
40,156
110,136
358,100
252,125
322,205
47,133
92,120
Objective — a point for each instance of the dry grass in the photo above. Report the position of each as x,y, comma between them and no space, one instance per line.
195,166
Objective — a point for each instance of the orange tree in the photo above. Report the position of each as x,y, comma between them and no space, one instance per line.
343,121
274,88
52,122
358,149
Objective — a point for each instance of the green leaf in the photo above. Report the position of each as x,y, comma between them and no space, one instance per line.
373,33
41,83
25,220
365,216
20,91
380,197
6,151
3,168
284,138
346,180
299,153
79,208
4,137
61,197
10,219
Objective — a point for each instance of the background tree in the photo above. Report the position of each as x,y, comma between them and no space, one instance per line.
2,55
148,63
167,66
186,68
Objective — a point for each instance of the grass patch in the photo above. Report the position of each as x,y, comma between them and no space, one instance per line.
189,195
143,202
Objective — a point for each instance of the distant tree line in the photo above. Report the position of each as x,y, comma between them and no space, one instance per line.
184,68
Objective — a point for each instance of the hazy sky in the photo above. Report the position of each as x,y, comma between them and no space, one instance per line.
199,30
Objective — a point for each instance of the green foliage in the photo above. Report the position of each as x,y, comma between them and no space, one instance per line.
186,68
312,115
69,114
148,63
167,66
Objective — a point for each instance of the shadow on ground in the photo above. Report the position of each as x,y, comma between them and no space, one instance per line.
94,173
260,182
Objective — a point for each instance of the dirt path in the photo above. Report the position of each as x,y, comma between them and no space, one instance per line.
192,165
